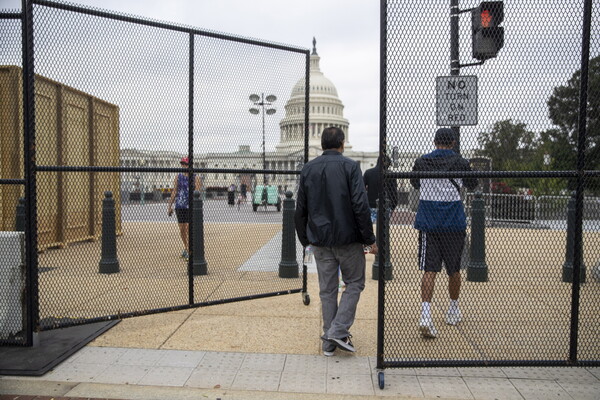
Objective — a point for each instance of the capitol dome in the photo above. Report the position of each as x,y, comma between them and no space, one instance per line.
326,109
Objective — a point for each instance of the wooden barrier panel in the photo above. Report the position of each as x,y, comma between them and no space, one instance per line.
11,144
73,128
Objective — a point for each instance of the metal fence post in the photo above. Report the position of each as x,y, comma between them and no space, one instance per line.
199,264
567,269
477,270
20,216
109,263
288,267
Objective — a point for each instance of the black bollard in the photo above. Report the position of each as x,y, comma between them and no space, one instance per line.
477,271
567,269
387,268
109,263
20,217
199,264
375,268
288,267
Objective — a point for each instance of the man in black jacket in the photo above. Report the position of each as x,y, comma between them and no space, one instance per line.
390,190
333,216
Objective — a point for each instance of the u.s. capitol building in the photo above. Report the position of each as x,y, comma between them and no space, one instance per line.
326,109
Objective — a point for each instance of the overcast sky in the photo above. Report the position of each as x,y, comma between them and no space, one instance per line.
516,85
347,33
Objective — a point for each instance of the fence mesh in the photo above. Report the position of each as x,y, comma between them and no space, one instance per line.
515,270
119,103
12,266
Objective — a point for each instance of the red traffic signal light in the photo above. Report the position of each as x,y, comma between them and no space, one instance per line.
486,18
489,14
487,35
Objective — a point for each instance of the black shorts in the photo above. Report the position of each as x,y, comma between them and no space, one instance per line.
435,247
183,215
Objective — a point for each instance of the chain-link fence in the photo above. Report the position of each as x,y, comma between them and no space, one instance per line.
135,107
503,270
13,304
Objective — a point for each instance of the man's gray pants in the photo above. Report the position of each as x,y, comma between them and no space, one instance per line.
337,319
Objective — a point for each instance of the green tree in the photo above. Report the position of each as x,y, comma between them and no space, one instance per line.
563,108
511,147
552,154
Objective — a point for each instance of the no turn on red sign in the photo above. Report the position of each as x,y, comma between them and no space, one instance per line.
456,100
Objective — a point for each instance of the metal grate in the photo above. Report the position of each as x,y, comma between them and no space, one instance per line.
119,101
528,306
13,308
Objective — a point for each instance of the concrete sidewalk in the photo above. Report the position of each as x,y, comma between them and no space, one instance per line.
134,373
121,373
226,352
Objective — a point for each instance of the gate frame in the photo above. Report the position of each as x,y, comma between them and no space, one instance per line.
32,322
580,174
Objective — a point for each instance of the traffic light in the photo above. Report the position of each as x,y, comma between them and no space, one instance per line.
488,36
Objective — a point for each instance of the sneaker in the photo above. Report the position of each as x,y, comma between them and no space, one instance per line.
344,343
453,317
328,348
426,327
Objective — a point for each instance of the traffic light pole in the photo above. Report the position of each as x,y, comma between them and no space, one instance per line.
454,58
455,64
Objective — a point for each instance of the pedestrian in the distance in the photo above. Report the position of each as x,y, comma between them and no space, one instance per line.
371,179
333,217
180,196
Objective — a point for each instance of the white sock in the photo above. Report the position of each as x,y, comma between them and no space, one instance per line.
453,305
426,308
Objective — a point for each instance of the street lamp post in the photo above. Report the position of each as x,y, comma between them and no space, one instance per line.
259,101
142,189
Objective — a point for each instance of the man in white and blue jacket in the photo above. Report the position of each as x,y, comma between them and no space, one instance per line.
442,225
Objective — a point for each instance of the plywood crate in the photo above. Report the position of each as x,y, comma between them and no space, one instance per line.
47,98
73,128
105,119
11,145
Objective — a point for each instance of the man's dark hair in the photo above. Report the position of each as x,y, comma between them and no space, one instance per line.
444,137
332,138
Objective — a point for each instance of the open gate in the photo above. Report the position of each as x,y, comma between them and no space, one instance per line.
100,102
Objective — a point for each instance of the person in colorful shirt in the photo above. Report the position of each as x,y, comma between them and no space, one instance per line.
180,196
442,224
